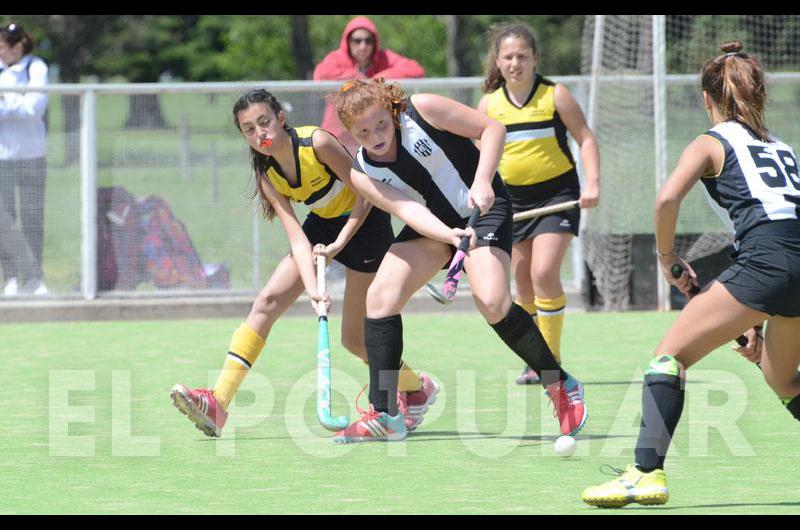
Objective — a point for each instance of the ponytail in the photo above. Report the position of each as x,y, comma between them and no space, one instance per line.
735,83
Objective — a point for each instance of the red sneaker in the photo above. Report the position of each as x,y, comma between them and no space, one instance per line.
568,405
418,403
202,408
373,426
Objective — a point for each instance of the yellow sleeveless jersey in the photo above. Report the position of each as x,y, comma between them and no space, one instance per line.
317,187
536,147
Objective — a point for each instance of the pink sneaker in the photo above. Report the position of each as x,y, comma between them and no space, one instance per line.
568,405
202,408
402,407
417,403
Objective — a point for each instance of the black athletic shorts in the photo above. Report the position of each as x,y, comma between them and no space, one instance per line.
493,229
365,250
766,273
560,189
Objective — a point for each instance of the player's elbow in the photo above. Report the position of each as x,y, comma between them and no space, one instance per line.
588,139
666,202
496,130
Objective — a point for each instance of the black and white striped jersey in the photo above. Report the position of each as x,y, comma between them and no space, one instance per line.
433,167
759,182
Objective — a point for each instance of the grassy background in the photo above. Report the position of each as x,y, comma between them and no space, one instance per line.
465,458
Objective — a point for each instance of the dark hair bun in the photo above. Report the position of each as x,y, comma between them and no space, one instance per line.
731,47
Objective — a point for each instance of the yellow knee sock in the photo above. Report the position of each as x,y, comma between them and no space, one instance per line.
551,320
530,308
245,348
408,380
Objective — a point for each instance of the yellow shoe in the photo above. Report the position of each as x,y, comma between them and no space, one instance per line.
631,486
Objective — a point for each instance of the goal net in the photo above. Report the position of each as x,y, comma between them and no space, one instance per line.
618,241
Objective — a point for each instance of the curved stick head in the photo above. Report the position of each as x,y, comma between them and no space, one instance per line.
332,423
435,294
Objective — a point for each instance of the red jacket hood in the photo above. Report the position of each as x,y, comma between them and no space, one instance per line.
359,23
339,65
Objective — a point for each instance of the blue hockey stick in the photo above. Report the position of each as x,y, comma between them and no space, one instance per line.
324,415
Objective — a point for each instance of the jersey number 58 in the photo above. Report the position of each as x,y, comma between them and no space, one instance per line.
771,171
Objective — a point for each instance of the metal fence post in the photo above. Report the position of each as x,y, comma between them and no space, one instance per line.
88,165
660,127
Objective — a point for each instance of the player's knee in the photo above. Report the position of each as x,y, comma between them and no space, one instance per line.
546,278
374,300
495,312
265,304
494,309
380,301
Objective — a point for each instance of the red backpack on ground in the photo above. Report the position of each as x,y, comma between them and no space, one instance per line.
119,242
170,259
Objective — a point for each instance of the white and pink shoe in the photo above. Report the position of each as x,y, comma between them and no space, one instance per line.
416,404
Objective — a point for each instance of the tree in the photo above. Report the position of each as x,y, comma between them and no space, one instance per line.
301,46
458,56
457,50
142,48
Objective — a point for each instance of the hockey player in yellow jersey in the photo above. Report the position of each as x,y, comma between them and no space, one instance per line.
302,165
538,170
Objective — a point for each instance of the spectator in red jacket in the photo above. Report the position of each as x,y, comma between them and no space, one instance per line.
360,56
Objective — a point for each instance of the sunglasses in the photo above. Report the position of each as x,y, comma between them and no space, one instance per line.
365,40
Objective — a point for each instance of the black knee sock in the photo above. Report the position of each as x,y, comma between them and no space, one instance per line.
662,404
794,407
521,335
384,341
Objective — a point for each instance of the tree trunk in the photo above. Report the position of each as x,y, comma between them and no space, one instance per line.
457,46
458,53
301,45
71,107
145,112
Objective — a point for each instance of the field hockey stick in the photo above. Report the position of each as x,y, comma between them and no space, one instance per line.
324,415
450,285
546,210
677,271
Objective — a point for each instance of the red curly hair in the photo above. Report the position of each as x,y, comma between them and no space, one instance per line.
357,95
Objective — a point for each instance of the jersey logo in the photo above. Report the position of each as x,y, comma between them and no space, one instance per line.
423,148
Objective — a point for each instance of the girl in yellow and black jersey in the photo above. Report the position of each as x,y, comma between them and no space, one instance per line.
538,170
302,165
